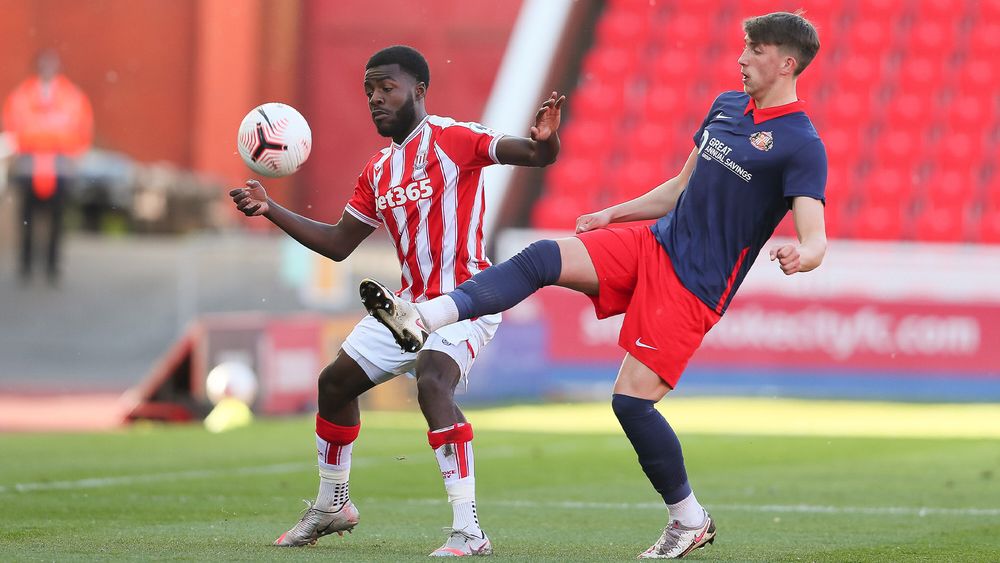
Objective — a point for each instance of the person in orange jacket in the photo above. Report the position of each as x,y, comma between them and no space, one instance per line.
51,123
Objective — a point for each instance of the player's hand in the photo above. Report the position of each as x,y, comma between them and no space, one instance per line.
787,256
548,117
592,221
250,200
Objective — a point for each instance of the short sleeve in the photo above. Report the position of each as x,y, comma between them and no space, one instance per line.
704,122
470,144
805,173
362,203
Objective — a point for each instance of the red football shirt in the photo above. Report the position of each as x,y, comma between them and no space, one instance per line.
428,192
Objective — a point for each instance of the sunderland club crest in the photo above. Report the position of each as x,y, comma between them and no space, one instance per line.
762,140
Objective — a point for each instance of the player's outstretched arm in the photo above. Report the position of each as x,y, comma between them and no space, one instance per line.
543,146
810,227
653,204
336,242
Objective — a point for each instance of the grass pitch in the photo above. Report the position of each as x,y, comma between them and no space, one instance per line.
572,493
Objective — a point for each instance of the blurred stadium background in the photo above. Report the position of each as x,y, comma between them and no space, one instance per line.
163,280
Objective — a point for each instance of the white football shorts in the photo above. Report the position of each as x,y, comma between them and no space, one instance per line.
372,346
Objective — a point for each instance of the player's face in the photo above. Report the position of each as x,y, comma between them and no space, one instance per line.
391,94
761,65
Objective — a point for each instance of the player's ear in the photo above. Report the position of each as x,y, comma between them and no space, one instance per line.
420,91
789,65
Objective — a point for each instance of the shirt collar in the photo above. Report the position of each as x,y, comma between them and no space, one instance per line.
760,115
414,133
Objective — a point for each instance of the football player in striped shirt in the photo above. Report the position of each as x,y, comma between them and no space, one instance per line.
426,188
756,156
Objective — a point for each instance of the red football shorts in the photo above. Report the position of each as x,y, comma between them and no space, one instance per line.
664,322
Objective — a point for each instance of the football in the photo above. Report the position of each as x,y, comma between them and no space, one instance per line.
274,139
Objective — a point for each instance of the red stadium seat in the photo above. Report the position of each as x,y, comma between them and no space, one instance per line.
921,73
859,72
651,139
588,138
841,186
939,10
674,66
843,145
884,10
984,38
559,212
970,111
987,229
838,221
663,101
887,185
941,224
907,110
598,100
882,222
633,178
573,176
951,187
614,65
686,30
870,34
625,23
931,36
987,10
851,107
898,146
979,73
957,148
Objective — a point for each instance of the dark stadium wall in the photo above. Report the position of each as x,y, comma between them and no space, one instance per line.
133,59
464,42
169,81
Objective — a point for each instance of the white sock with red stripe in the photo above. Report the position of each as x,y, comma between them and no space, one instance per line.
334,445
453,448
438,312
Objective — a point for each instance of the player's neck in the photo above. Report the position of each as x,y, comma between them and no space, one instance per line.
778,95
418,118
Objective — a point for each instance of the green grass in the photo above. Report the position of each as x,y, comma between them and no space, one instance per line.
156,492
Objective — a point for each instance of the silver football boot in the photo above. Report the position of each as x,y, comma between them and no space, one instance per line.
461,543
677,540
399,316
316,523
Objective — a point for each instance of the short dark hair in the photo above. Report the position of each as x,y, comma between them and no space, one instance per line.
408,59
790,31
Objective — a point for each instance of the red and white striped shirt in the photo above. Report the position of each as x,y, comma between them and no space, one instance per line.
428,192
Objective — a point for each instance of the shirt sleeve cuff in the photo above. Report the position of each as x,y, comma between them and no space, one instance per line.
493,148
362,217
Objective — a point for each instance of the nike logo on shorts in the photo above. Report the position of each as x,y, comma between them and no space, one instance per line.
638,342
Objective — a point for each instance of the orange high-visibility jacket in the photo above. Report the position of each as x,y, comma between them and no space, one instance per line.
61,123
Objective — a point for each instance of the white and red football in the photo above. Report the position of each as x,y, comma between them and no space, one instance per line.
274,139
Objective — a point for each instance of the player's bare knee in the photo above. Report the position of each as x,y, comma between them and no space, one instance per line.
432,385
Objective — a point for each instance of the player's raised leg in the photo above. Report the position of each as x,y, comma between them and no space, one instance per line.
337,426
450,436
689,527
547,262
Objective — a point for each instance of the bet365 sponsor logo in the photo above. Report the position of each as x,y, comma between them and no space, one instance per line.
399,195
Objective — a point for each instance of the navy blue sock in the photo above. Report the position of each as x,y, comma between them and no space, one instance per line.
506,284
656,444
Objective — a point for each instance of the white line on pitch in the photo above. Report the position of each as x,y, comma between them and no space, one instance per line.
125,480
99,482
797,508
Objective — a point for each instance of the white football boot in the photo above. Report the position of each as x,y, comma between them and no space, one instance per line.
316,523
461,543
677,540
399,316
